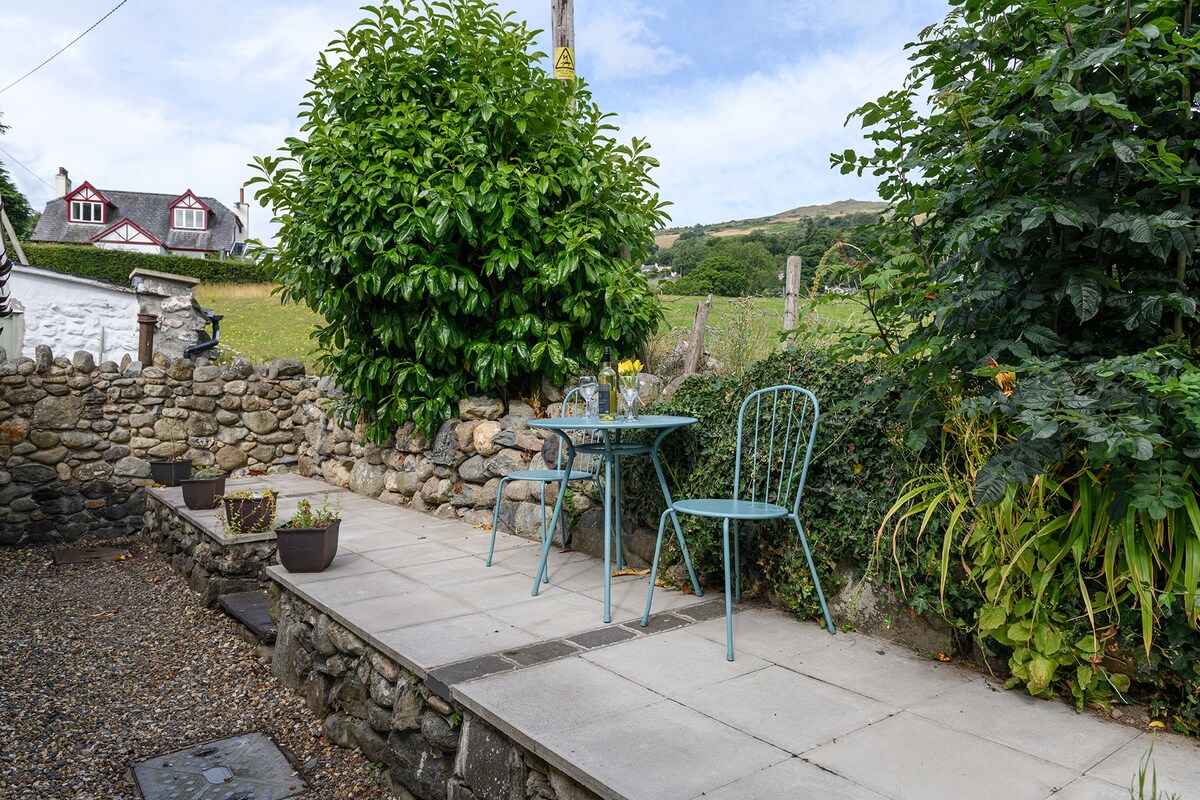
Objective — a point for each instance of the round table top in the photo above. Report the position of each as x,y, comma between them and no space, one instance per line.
645,421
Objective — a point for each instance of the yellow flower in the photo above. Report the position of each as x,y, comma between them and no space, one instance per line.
630,366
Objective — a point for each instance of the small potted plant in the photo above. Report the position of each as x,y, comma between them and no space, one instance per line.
249,511
204,489
308,541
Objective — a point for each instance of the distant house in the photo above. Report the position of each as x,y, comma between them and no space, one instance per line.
176,224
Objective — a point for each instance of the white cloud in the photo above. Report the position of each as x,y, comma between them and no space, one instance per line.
618,40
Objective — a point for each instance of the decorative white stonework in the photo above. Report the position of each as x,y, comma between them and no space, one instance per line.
68,313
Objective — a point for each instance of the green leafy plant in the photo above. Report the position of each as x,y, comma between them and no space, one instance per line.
308,517
201,473
457,216
1139,790
1043,247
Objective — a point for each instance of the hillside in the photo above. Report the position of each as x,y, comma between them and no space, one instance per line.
784,219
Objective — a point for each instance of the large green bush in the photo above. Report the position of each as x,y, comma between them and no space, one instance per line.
456,215
1042,288
115,265
855,472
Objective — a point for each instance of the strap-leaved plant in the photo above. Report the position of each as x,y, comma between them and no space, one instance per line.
456,215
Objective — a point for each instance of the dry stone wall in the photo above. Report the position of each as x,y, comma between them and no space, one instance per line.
427,745
77,438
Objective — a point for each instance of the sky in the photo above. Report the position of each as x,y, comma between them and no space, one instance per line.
742,101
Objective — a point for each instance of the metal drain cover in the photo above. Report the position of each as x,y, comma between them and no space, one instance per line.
246,767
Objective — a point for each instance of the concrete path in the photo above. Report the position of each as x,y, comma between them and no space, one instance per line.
663,715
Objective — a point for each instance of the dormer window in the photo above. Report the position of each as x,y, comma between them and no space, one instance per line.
188,213
83,211
85,204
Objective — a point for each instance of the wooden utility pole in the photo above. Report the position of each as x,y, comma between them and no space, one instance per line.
12,235
791,299
562,25
694,353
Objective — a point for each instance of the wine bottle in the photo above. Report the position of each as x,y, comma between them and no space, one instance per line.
607,378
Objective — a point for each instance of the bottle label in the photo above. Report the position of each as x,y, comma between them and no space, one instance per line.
605,399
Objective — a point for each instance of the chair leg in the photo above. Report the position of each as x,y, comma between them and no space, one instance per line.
812,569
662,526
737,562
546,537
728,597
687,557
495,520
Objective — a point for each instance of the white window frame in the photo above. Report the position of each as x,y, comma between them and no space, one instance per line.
94,214
183,215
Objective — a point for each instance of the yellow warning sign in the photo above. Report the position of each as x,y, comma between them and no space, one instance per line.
564,63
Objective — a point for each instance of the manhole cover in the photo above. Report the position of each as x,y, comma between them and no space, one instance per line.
89,555
246,767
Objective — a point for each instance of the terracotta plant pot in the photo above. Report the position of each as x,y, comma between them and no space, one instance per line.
201,493
170,473
307,549
249,514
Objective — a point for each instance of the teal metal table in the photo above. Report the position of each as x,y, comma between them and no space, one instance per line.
611,449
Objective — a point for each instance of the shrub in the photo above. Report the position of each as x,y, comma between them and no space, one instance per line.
457,216
114,266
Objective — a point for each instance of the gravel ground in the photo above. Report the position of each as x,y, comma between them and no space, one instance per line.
104,665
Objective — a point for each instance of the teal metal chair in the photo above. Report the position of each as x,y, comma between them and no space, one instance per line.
775,434
587,467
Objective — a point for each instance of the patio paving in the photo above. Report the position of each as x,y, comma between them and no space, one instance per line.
663,715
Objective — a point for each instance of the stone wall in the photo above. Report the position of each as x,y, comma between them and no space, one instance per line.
76,438
431,747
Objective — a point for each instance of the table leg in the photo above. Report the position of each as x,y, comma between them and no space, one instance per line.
558,507
609,454
662,482
617,503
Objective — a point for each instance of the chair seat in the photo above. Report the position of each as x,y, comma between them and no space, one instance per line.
545,475
734,509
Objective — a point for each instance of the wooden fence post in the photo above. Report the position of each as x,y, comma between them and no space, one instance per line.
695,348
791,299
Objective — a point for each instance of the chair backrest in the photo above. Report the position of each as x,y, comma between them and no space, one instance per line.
573,405
776,431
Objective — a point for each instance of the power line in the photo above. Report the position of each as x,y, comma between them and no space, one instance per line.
22,166
56,55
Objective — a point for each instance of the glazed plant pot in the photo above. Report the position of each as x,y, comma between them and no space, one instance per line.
199,493
170,473
307,549
249,514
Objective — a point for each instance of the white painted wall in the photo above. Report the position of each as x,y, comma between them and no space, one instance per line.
133,247
69,313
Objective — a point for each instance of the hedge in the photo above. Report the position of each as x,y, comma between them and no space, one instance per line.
115,265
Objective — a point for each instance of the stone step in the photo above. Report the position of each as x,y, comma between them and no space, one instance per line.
252,609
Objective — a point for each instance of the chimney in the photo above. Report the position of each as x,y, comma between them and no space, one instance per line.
242,209
62,182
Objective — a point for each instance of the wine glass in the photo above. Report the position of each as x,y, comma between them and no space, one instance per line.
588,389
629,393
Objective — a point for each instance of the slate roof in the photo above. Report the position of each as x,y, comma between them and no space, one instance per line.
151,212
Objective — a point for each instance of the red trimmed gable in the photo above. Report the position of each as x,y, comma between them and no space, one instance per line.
188,208
126,231
82,205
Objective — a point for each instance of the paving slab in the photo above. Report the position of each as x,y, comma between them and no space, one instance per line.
1175,760
878,669
908,757
665,751
1086,788
674,664
793,712
1052,731
790,780
434,644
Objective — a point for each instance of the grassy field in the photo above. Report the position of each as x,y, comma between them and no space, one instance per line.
257,325
261,328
